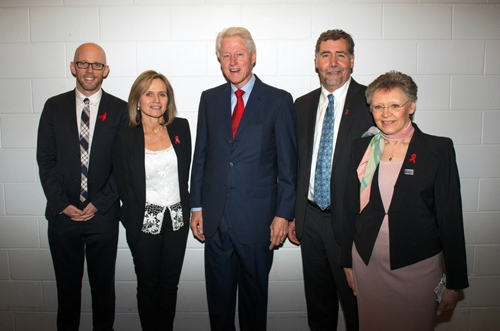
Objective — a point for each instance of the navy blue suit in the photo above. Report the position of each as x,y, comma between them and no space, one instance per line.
241,185
58,156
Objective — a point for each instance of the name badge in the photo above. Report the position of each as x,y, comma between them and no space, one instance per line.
409,172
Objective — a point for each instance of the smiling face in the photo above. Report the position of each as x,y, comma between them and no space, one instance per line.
236,61
153,101
334,63
89,81
392,121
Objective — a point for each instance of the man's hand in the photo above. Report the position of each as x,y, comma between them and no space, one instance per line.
89,211
292,236
197,225
78,215
279,230
349,274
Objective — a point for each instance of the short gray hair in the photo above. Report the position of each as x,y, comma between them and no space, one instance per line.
235,31
390,80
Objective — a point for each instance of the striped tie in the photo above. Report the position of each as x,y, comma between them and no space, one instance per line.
324,160
84,149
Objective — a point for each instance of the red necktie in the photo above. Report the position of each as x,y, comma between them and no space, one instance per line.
238,111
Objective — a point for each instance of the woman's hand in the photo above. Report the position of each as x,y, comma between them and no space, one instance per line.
349,274
449,300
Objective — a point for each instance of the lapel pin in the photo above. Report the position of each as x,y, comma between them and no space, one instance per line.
346,112
177,141
103,117
409,172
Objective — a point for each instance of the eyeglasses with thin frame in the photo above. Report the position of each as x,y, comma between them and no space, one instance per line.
85,65
392,108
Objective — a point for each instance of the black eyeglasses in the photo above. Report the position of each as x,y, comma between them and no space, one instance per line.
85,65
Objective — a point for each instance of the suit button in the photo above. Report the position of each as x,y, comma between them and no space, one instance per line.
230,141
231,164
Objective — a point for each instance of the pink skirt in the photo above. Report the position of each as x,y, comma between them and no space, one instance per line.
394,300
401,299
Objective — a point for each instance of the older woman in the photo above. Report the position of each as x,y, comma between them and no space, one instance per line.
151,161
403,209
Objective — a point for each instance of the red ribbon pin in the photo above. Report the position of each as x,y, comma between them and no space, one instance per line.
413,158
177,141
103,117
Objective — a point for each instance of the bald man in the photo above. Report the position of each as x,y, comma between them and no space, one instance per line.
75,137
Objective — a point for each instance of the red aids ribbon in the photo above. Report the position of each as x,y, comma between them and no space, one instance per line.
413,158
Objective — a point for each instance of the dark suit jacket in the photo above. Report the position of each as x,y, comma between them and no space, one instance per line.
130,173
425,215
255,173
58,155
356,119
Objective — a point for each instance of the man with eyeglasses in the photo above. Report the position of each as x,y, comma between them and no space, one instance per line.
75,138
328,120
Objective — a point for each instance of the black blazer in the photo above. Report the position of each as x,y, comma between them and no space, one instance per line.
58,155
356,119
425,215
130,173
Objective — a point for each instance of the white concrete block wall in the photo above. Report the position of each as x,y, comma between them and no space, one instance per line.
451,48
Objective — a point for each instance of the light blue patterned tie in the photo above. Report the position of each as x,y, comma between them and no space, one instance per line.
324,160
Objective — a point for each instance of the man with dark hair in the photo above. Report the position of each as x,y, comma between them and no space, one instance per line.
328,120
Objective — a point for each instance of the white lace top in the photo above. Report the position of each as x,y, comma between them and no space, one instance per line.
162,183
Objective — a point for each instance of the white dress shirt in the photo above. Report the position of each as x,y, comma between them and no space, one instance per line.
95,99
339,96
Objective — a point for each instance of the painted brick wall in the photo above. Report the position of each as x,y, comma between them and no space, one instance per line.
451,48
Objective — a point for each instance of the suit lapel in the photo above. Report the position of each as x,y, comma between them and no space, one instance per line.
312,112
408,171
403,182
254,104
175,138
345,120
173,133
137,166
225,108
71,120
100,120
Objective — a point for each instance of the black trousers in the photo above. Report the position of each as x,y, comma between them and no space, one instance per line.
70,244
158,263
324,278
230,268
